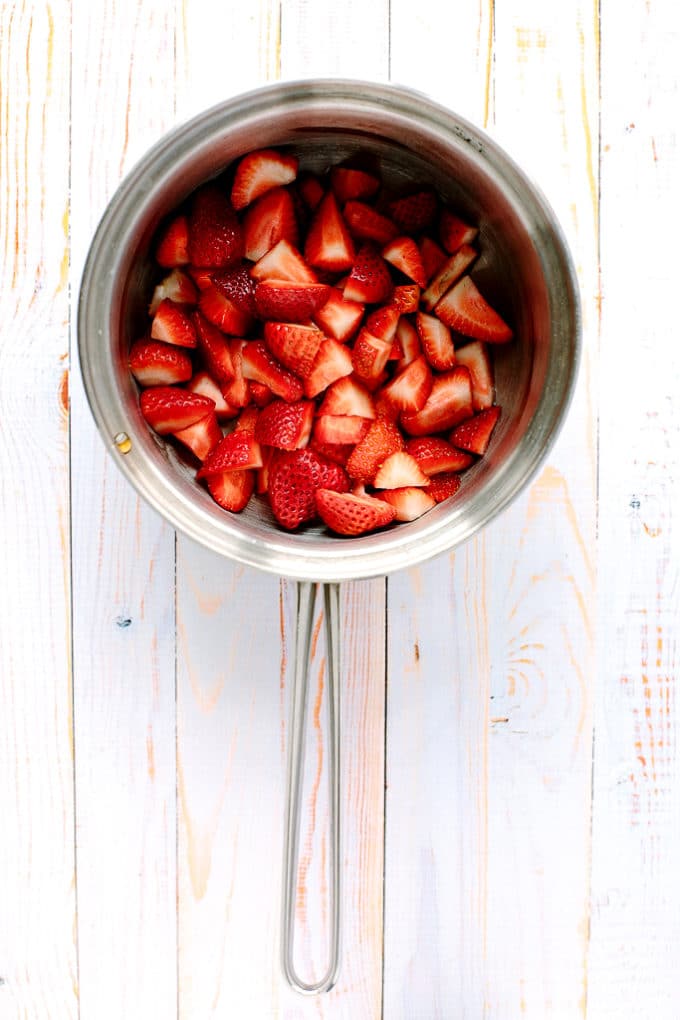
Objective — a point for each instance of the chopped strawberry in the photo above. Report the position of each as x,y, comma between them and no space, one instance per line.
409,342
338,317
172,325
173,243
287,426
432,255
350,182
474,434
202,276
237,451
332,362
154,363
366,224
270,219
237,392
435,456
288,301
436,341
347,396
350,514
414,212
398,470
310,189
336,452
294,345
449,403
343,429
329,245
259,364
451,271
269,454
464,309
215,234
369,281
167,408
410,388
370,355
260,394
203,383
406,298
202,436
295,478
409,503
382,439
238,286
176,286
259,172
232,489
403,253
444,485
222,312
247,419
454,232
283,262
475,356
214,349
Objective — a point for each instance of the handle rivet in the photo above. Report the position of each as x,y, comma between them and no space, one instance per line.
123,442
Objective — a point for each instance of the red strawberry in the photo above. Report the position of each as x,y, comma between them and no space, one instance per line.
260,394
400,469
349,514
464,309
349,182
287,301
408,503
237,392
329,245
247,419
295,346
232,489
167,408
214,349
285,426
342,429
310,189
238,286
153,363
332,362
202,276
283,262
201,437
259,172
339,318
369,280
454,232
435,456
474,434
269,220
414,212
449,402
366,224
406,298
409,342
403,253
432,255
336,452
176,286
436,341
444,485
172,325
215,234
411,387
475,356
173,242
450,271
382,439
223,313
294,479
260,365
237,451
347,396
204,384
370,354
269,454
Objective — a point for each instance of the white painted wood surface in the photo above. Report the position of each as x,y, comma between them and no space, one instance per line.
511,788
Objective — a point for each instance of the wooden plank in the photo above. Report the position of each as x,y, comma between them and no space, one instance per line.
635,927
38,962
123,576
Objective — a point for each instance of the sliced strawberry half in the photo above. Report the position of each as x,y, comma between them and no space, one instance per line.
451,271
215,234
340,429
289,301
449,403
232,489
409,342
310,189
409,503
333,361
329,244
399,470
259,172
435,456
436,341
154,363
369,280
474,434
247,419
348,514
455,232
269,220
261,366
433,256
172,325
202,436
214,349
406,298
410,388
237,392
403,253
475,355
444,485
337,452
464,309
238,286
204,384
222,312
366,224
382,439
351,182
173,243
295,478
237,451
168,408
370,355
285,426
176,286
283,262
202,276
338,317
347,396
414,212
294,345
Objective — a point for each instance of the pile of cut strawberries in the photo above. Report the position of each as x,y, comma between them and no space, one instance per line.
318,342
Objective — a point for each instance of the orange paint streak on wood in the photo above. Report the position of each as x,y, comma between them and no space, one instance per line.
488,76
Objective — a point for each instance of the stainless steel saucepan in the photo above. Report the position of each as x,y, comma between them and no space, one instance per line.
525,269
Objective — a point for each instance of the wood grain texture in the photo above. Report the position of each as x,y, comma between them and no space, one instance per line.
37,883
123,576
